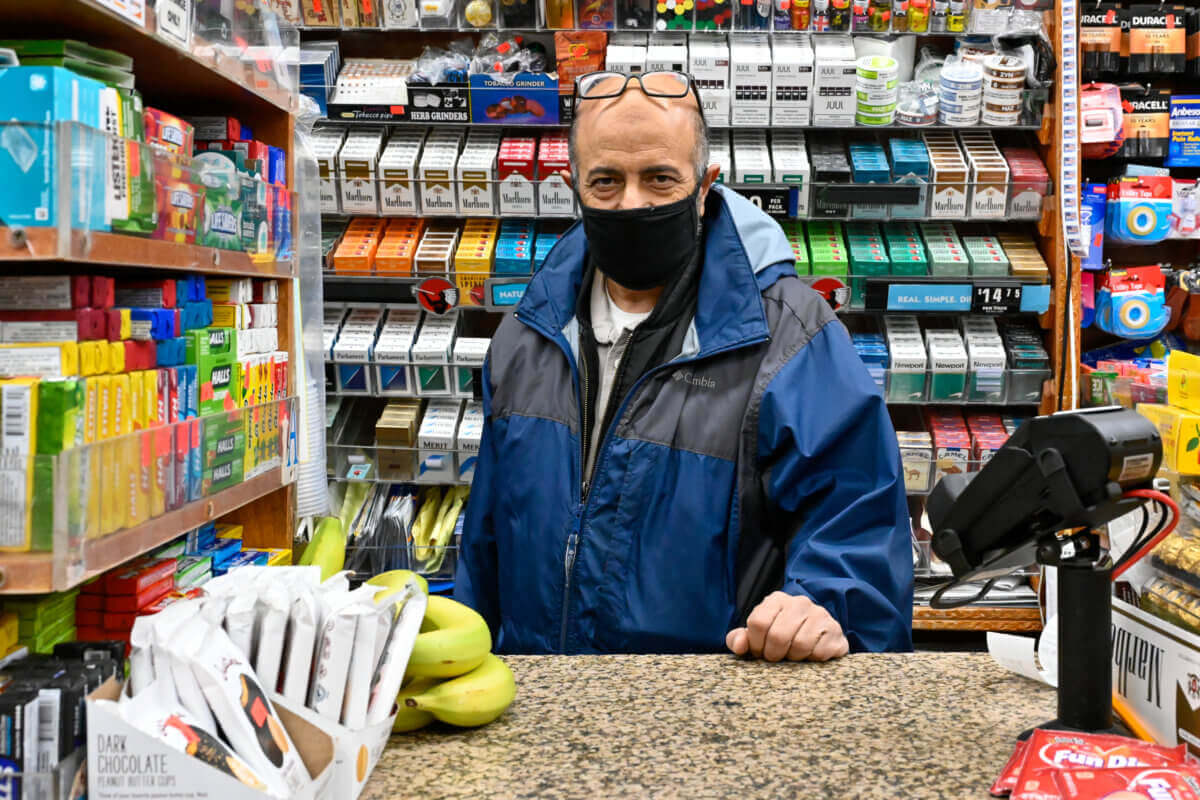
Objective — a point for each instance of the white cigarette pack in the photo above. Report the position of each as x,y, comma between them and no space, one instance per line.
720,154
398,174
358,163
477,174
751,157
792,80
750,74
708,63
630,59
326,144
437,171
470,432
834,79
435,440
668,56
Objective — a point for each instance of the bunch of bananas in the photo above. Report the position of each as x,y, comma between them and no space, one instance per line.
434,525
327,549
452,674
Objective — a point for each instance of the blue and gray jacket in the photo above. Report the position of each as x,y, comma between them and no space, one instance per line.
761,457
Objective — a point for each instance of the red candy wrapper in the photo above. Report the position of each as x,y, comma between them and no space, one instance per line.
1008,776
1153,783
1051,751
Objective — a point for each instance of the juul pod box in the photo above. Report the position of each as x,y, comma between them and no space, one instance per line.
126,764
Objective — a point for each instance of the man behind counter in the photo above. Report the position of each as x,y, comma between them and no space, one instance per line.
676,425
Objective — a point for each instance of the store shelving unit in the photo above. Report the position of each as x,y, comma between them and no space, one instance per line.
195,77
1043,298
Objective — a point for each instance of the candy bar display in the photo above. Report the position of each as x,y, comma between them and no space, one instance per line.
142,403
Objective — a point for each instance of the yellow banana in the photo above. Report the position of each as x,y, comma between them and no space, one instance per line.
327,549
454,640
408,718
422,527
474,699
396,579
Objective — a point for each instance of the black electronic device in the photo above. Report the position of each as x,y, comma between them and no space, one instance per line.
1039,499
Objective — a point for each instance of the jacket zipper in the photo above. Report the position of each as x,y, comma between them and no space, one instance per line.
585,433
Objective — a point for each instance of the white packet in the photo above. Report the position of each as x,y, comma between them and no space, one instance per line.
271,611
244,711
142,667
156,712
390,674
374,625
164,628
301,640
335,641
218,592
239,620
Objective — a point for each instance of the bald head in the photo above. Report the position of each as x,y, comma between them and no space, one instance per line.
634,150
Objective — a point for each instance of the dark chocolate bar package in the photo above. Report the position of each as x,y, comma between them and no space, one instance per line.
18,735
90,651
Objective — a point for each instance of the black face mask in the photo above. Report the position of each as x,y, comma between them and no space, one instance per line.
643,248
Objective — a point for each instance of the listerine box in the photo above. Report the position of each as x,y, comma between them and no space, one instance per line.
35,99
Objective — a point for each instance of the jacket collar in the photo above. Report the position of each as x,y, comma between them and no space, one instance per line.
739,242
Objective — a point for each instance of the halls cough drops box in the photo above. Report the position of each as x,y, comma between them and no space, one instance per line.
214,352
1180,432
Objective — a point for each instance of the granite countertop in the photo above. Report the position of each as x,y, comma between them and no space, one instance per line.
925,725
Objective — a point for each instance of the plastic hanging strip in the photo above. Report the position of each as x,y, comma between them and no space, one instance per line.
1068,105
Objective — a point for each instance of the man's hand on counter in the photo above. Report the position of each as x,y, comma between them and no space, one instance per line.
789,626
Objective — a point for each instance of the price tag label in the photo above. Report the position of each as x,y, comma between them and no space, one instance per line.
134,10
175,21
996,299
772,201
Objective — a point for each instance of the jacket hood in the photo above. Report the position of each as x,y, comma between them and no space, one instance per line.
741,242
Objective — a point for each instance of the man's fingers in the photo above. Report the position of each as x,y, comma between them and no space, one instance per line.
783,631
760,619
737,641
806,638
831,645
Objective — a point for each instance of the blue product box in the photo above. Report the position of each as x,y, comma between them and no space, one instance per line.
1184,147
245,558
531,98
352,378
199,289
1091,218
221,551
35,98
189,374
201,539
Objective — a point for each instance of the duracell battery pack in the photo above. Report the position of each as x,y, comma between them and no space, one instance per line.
1100,39
1147,122
1157,39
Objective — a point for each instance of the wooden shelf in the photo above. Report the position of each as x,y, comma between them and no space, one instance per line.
34,573
163,70
119,250
977,618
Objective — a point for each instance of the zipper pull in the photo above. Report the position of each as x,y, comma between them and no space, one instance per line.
584,492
